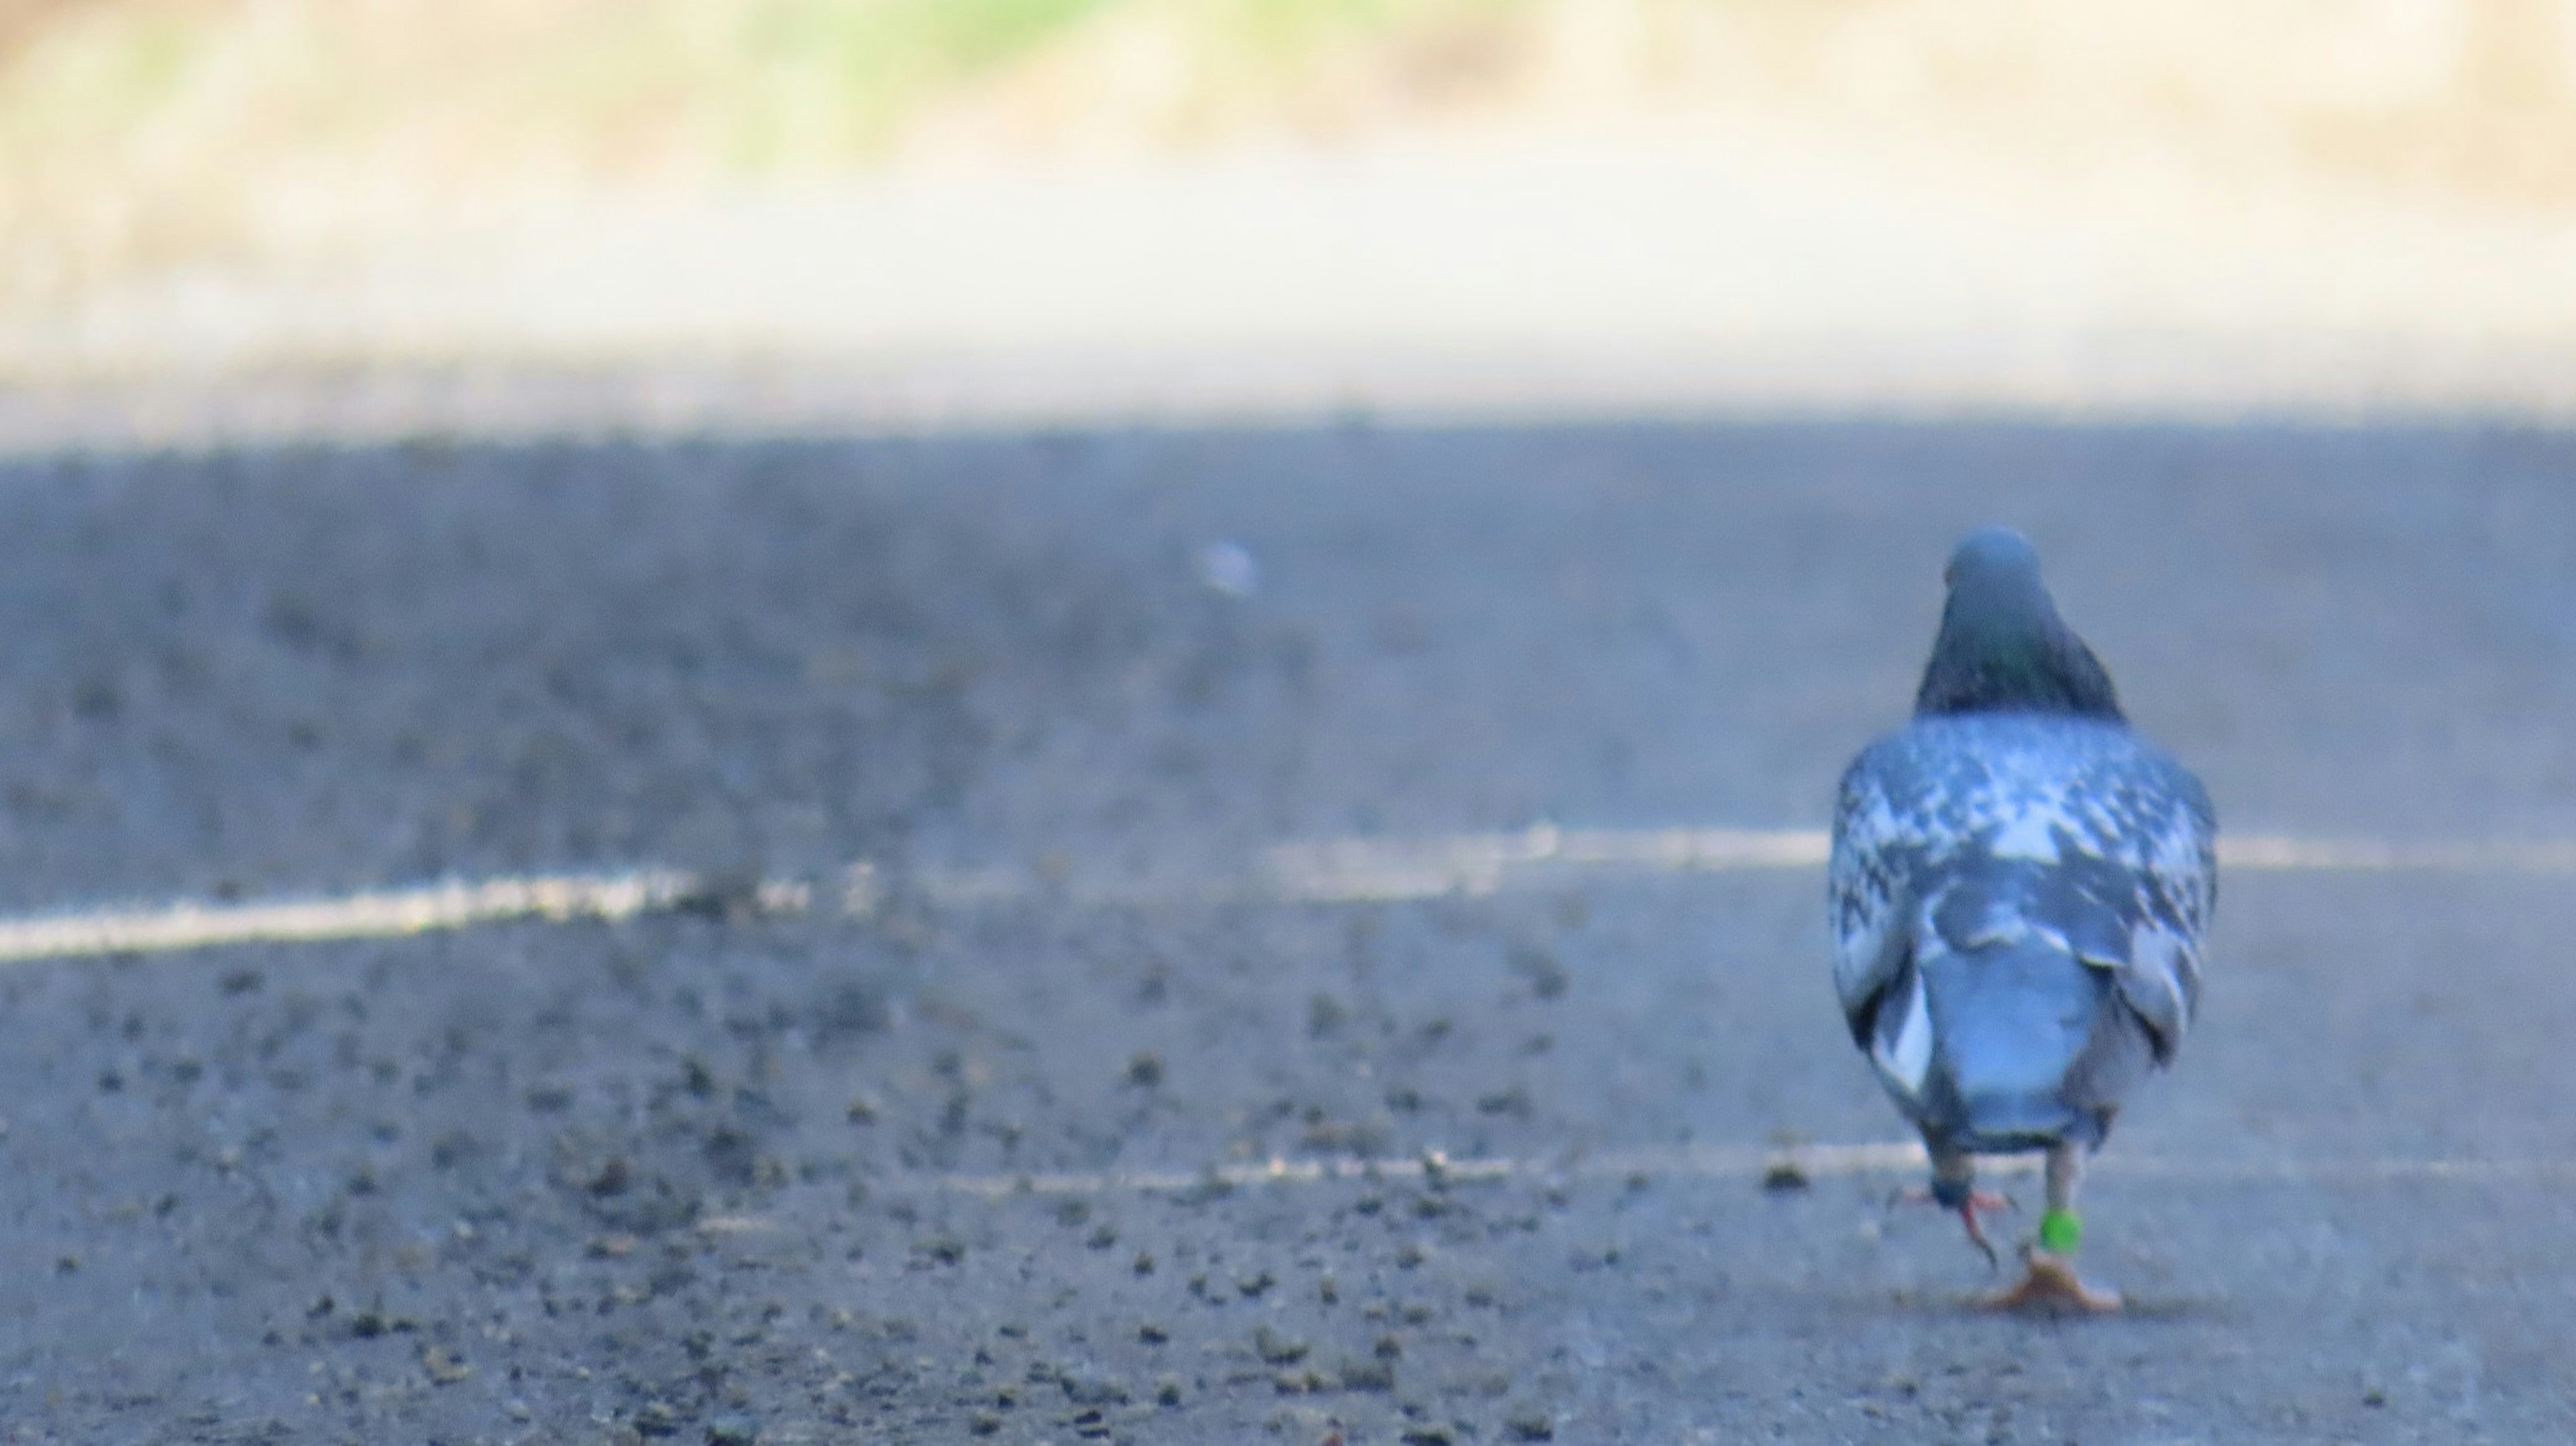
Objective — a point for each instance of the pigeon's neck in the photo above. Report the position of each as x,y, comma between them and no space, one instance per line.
2013,659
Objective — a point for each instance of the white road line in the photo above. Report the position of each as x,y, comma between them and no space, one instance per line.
1810,1162
1361,870
1329,871
1344,871
1364,869
2539,856
382,914
1815,1159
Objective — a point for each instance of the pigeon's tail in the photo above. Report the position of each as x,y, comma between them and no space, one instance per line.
2034,1048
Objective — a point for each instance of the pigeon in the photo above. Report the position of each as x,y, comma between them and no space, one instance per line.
2018,892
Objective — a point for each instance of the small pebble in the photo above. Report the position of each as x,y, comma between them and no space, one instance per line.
1368,1376
443,1365
1226,567
1091,1390
1783,1176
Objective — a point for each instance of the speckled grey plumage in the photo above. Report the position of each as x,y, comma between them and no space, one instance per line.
2019,892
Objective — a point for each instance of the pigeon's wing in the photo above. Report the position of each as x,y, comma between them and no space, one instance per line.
2134,883
1984,831
1869,885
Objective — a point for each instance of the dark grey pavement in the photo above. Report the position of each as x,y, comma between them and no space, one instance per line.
698,1175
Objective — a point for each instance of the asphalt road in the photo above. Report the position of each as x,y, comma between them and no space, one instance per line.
727,1173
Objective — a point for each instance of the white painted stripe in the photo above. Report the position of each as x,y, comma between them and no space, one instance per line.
1356,869
1359,870
1479,864
1331,871
384,914
2269,853
1813,1162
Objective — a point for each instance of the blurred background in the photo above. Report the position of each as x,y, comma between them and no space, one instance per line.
935,208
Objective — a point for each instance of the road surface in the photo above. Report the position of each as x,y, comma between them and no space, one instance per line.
1000,1045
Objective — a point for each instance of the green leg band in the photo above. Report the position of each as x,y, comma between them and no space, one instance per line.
2060,1232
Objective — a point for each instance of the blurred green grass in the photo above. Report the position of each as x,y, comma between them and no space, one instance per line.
150,131
779,78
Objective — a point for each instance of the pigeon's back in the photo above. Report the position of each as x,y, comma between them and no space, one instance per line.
2018,902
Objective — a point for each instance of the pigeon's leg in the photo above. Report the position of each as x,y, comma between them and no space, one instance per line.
1954,1188
2049,1281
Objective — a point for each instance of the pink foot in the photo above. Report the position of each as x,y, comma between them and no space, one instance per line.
1980,1202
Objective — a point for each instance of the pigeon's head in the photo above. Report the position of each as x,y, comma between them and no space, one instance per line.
2002,647
1993,557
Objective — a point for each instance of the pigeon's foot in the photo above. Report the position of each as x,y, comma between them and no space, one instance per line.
2051,1286
1979,1202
